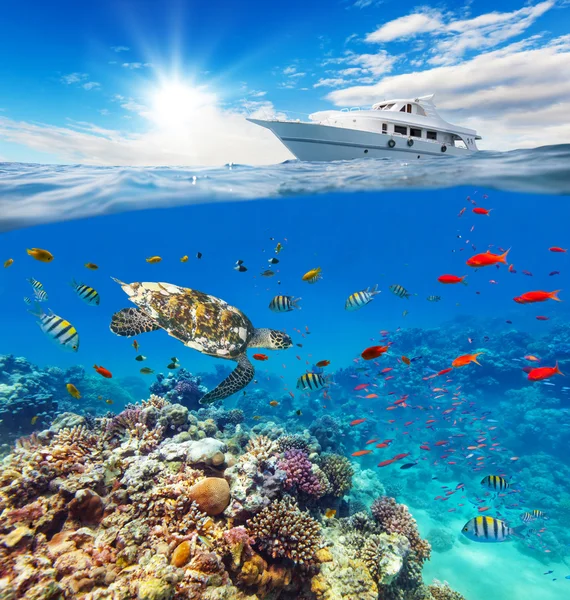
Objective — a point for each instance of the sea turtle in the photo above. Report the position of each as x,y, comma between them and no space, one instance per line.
199,321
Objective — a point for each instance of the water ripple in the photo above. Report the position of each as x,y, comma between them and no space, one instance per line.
32,194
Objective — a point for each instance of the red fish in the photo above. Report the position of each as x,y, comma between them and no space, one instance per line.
479,210
386,370
445,371
487,259
557,249
382,445
323,363
371,441
441,443
461,212
357,422
361,386
425,447
537,296
361,453
385,463
447,279
261,357
373,352
512,268
483,508
541,318
102,371
541,373
400,456
406,361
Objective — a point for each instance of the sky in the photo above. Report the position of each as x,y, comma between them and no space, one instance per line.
144,82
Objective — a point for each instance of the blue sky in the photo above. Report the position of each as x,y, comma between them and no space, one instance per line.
145,82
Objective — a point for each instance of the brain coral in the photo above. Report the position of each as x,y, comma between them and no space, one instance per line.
212,495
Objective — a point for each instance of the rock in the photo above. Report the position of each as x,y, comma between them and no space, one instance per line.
212,495
155,589
66,419
208,451
19,535
87,507
181,554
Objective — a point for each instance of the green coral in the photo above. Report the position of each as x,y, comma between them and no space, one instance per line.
339,472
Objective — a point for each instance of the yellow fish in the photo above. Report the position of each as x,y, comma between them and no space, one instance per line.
91,266
109,401
257,417
278,248
39,254
73,391
184,258
313,275
9,263
153,259
35,419
146,371
274,403
330,513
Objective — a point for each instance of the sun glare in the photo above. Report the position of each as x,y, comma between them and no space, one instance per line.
176,102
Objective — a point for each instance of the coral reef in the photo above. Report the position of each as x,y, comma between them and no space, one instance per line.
338,471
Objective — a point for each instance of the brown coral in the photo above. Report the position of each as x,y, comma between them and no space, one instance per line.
283,531
212,495
262,448
338,472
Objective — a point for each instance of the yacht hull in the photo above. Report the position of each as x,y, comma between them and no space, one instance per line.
315,142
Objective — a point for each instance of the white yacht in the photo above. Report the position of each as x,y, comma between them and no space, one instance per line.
406,129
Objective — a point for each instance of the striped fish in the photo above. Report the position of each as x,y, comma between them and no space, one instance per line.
40,295
495,482
311,381
360,299
486,529
86,293
433,298
399,291
57,329
28,301
35,284
283,303
527,517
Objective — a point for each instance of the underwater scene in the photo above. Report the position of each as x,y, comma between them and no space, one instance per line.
343,395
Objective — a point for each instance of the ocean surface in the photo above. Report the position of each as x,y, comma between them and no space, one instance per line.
363,223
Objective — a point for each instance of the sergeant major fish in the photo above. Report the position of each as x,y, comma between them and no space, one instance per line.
311,381
57,329
360,299
283,303
487,529
87,294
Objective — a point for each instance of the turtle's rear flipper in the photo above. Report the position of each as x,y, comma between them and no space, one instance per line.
132,321
233,383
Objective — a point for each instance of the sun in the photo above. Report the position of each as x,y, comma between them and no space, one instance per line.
175,103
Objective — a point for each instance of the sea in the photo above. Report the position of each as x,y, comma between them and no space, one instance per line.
386,223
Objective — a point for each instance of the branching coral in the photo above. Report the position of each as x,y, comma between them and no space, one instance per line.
283,531
396,518
442,591
262,448
339,472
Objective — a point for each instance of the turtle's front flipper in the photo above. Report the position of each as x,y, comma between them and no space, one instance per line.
233,383
132,321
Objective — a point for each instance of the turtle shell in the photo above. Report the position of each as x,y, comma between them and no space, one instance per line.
200,321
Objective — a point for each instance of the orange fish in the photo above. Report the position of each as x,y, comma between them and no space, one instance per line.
357,422
531,357
374,352
400,456
103,371
382,445
274,403
538,296
261,357
448,370
323,363
385,463
447,279
487,259
483,508
386,370
361,386
371,441
557,249
479,210
543,373
371,396
406,360
361,453
465,359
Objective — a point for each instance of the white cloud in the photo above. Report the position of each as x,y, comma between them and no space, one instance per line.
289,70
515,96
133,106
104,111
91,85
136,65
73,78
366,3
330,82
120,48
407,26
205,135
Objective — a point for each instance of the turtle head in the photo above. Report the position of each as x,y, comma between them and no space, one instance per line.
270,339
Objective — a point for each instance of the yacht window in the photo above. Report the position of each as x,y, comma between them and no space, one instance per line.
380,107
415,132
384,128
400,129
403,109
409,108
432,135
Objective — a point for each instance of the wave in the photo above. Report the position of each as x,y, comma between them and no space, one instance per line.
32,194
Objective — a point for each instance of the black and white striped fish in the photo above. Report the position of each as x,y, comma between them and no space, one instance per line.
40,295
532,516
283,303
59,330
360,299
400,291
86,293
311,381
487,529
495,482
28,301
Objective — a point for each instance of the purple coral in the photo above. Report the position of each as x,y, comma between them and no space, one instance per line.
299,470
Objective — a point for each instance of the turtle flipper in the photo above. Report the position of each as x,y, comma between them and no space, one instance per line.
132,321
233,383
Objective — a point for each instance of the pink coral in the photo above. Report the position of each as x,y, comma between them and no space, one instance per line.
300,474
